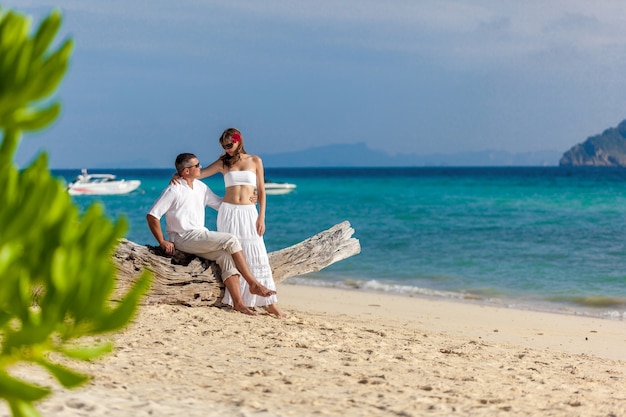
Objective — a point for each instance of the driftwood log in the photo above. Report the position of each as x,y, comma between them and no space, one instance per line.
188,280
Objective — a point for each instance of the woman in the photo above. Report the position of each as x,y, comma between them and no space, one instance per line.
243,173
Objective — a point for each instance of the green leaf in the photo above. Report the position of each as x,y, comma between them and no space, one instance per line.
65,376
36,119
46,33
87,352
14,33
51,72
127,307
7,149
23,63
4,318
14,388
58,271
28,334
23,409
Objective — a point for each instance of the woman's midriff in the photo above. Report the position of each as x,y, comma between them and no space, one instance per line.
239,194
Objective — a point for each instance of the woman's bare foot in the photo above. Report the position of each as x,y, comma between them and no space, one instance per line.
273,309
244,310
258,289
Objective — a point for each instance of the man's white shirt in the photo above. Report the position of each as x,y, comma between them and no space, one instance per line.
183,207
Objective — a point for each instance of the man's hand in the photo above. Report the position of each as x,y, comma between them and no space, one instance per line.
168,247
254,198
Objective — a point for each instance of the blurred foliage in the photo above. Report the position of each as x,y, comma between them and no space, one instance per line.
56,271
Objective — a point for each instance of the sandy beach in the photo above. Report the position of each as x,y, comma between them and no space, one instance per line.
353,353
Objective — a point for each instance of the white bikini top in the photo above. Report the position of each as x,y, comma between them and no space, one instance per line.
232,178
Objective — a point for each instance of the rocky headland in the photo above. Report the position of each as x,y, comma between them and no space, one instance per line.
607,149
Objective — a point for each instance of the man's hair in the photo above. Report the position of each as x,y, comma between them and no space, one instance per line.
182,160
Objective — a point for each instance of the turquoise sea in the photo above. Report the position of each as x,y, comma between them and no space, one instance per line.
540,238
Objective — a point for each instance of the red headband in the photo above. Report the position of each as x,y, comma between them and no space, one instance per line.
235,137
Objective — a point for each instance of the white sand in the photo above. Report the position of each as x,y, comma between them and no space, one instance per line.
355,354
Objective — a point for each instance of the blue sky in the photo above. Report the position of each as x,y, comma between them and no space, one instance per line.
151,79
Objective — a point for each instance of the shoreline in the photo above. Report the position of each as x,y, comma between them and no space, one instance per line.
577,334
352,353
588,309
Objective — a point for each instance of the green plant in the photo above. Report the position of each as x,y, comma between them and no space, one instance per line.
56,272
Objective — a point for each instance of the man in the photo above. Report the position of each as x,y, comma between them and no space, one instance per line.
183,205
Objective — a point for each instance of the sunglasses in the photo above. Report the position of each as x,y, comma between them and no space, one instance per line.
228,145
194,166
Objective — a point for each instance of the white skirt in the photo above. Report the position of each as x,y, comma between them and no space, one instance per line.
240,220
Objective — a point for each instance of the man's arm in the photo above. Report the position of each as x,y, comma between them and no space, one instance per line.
155,227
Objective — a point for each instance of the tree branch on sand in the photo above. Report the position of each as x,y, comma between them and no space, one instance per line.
188,280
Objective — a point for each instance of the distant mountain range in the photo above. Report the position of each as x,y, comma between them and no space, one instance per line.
359,155
607,149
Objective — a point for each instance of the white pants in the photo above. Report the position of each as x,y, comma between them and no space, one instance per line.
214,246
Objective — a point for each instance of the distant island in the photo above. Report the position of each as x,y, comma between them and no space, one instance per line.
605,150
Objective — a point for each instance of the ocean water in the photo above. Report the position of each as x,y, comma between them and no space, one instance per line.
541,238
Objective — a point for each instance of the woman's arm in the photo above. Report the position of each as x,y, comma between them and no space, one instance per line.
260,187
212,169
205,172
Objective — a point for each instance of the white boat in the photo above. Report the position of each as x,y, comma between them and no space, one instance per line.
100,184
272,187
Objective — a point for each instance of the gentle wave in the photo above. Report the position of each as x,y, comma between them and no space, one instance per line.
592,301
600,307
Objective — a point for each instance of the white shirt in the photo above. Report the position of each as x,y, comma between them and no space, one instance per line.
183,207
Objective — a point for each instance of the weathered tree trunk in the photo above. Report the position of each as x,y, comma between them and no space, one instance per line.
189,280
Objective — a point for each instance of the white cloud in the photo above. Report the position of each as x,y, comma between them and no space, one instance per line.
465,34
479,68
459,34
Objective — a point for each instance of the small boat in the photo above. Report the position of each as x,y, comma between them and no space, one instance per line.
100,184
272,187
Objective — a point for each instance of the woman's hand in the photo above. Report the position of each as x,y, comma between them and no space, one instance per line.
175,179
260,226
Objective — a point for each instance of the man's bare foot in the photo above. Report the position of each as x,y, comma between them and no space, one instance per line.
258,289
273,309
244,310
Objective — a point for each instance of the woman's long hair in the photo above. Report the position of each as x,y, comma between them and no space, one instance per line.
235,136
